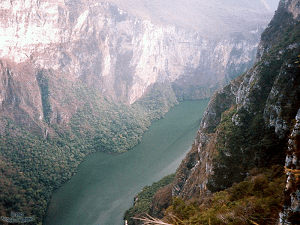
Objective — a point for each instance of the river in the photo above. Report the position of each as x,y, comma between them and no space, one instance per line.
105,185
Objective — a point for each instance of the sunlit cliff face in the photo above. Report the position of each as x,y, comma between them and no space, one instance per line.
122,54
35,23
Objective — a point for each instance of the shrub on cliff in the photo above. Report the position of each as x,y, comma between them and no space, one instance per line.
257,199
144,199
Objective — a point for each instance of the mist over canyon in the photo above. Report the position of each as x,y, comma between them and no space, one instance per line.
83,76
122,55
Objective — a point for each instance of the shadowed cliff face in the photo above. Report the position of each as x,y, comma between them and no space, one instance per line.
18,90
252,121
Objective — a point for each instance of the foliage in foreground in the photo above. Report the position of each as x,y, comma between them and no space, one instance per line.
144,199
257,199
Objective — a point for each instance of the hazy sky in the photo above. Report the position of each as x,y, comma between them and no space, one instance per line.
272,3
210,17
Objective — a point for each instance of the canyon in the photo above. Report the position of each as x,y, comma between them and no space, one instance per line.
249,125
83,76
122,55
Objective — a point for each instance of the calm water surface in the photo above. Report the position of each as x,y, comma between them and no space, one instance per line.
105,185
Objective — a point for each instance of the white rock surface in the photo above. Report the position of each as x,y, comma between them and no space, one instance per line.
113,51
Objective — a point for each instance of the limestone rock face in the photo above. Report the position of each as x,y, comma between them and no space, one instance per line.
192,176
18,89
221,101
292,6
117,53
197,167
290,214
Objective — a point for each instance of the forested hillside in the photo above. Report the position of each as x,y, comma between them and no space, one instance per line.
33,165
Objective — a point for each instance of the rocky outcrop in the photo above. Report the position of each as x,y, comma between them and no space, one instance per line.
221,101
291,212
194,171
18,89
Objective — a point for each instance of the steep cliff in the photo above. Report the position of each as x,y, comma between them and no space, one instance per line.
249,125
117,53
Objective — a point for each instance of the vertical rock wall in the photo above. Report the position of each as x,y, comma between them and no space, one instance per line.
117,53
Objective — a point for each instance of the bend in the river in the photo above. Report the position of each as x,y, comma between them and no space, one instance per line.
105,184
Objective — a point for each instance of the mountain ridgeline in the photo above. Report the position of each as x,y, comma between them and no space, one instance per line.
244,165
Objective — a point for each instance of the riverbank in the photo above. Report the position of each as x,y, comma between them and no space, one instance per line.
105,184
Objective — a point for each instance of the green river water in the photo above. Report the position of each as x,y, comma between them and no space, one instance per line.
105,184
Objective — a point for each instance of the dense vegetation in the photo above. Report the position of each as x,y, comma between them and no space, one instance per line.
245,140
243,147
33,165
114,126
281,32
31,168
144,198
158,101
256,200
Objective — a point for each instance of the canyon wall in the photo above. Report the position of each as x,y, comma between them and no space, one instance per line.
77,76
117,53
252,122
